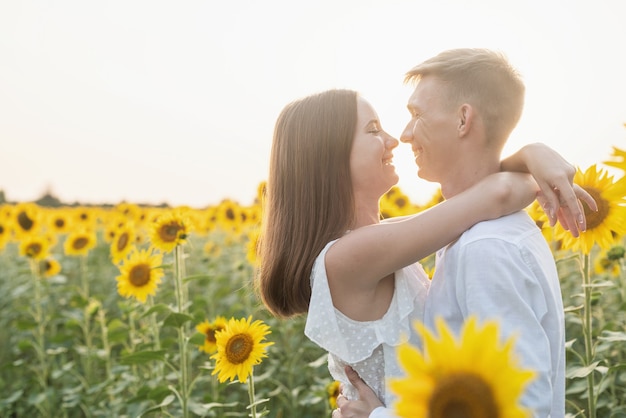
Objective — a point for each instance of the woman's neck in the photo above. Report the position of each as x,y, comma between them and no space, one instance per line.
367,213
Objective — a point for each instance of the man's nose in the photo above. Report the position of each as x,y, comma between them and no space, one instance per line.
407,134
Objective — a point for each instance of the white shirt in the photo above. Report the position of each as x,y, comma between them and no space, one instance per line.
503,269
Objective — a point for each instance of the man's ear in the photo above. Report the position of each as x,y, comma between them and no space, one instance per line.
466,118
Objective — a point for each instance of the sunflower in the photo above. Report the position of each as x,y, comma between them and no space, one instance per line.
129,211
251,216
240,348
27,219
229,216
209,329
610,219
333,392
261,192
212,249
475,375
140,274
58,221
84,217
608,261
123,241
170,229
536,212
210,219
396,203
5,233
430,271
79,242
36,247
49,267
252,253
112,223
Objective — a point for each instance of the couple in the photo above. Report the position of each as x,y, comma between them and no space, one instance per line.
325,252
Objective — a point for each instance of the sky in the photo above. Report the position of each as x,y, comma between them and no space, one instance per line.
151,101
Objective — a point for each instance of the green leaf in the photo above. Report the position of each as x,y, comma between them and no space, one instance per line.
12,398
143,357
158,308
177,319
197,338
168,400
196,277
202,408
257,403
612,336
582,371
600,284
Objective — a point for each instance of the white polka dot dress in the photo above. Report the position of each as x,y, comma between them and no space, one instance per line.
369,347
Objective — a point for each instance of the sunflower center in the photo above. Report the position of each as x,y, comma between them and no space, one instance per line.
80,243
230,214
462,395
210,334
238,348
34,249
59,223
139,275
595,219
122,241
24,221
169,232
45,266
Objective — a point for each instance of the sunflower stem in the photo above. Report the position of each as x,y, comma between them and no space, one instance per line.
182,346
155,335
105,342
587,335
86,327
251,395
40,329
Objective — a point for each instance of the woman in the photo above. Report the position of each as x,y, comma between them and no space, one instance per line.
323,250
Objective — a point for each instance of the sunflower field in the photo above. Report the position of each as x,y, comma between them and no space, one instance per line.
136,311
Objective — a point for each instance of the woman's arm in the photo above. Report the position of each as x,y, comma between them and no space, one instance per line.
365,255
559,195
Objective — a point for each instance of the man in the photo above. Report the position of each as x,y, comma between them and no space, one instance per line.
464,107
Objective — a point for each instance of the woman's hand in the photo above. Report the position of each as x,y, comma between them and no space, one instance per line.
559,196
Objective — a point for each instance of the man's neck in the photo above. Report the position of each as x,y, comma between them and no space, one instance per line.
468,177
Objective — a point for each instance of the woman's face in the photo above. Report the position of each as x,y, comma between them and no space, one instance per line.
371,166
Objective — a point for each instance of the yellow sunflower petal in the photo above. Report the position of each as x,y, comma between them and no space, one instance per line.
476,373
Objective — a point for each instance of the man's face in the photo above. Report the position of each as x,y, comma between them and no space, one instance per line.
432,131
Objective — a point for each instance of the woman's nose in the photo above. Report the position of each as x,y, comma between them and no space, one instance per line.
391,142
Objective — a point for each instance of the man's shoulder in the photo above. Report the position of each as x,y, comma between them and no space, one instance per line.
509,227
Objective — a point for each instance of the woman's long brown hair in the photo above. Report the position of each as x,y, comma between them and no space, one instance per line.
309,199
